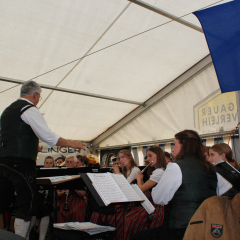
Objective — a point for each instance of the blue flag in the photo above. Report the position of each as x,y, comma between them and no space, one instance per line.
221,26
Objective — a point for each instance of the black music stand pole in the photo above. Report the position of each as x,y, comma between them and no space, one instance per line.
55,204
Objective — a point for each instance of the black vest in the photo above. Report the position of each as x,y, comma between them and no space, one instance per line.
197,185
17,138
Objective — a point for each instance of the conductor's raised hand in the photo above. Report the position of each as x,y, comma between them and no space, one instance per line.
78,145
74,144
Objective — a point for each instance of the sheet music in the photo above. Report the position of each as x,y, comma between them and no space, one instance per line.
107,188
44,168
127,189
90,228
223,185
146,204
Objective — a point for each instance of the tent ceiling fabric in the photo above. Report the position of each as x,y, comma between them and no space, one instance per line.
113,48
169,116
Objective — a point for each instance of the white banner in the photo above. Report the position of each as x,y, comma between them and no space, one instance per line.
219,110
58,151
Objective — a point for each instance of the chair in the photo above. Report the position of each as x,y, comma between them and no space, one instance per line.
6,219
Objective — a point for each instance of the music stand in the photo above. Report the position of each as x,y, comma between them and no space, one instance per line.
53,186
230,173
98,199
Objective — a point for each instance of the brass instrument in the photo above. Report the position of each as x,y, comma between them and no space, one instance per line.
62,164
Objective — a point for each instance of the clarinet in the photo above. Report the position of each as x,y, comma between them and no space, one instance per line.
66,202
46,196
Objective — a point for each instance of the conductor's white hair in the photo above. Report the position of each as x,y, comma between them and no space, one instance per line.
29,88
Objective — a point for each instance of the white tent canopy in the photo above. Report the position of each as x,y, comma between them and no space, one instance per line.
112,72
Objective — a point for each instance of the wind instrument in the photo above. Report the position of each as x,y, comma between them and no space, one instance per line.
146,167
62,164
46,196
66,202
119,165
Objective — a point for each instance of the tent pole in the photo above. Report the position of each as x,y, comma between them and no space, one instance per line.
238,106
166,14
74,92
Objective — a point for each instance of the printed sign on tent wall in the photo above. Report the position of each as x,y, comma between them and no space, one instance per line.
216,112
58,151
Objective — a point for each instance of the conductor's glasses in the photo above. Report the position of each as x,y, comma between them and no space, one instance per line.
40,97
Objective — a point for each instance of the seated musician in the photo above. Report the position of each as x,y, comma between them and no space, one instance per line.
157,157
168,157
185,184
82,161
224,152
138,216
71,203
49,162
59,161
129,166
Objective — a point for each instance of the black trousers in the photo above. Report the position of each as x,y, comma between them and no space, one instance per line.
19,173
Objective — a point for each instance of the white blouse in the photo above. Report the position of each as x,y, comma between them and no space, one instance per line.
157,175
133,175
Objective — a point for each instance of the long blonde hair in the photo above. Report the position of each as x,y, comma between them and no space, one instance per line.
128,155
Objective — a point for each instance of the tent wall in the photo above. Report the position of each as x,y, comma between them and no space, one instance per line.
141,150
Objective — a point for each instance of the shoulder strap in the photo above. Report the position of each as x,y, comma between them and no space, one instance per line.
26,108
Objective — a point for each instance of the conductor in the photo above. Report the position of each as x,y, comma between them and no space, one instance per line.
21,127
